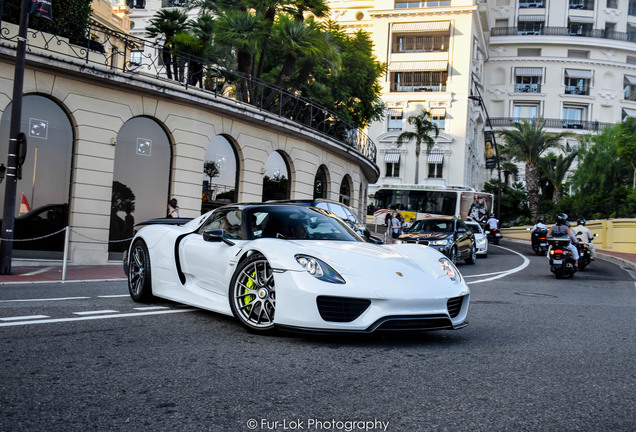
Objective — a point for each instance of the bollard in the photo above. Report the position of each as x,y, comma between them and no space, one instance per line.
67,234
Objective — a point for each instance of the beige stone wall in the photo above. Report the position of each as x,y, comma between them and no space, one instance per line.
100,102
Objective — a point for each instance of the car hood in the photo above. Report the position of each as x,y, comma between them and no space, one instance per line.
430,236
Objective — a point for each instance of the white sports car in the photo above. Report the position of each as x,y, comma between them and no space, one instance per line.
297,267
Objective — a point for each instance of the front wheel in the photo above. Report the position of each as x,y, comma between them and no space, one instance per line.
139,281
252,294
453,255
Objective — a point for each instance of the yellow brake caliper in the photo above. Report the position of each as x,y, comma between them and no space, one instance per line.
250,286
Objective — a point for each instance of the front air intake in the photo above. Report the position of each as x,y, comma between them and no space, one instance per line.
341,309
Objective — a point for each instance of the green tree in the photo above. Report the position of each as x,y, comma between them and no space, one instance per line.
211,169
526,143
626,145
555,169
422,134
164,26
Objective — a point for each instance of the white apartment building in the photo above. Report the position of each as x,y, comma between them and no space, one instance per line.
571,62
434,51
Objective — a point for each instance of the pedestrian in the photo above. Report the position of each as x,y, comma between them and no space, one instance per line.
173,208
396,226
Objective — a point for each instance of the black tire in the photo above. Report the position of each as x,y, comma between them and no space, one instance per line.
252,294
496,241
558,273
472,259
139,275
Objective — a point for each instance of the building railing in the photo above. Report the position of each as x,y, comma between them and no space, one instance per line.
527,88
565,31
553,123
96,44
577,90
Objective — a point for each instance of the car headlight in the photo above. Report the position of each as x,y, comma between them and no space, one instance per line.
319,269
481,242
399,241
438,243
450,270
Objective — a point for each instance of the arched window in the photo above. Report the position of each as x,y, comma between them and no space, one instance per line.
345,191
46,175
141,179
276,178
321,185
220,174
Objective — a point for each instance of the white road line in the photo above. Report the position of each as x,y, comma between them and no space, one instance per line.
95,312
523,265
22,318
36,272
44,299
148,308
93,317
114,296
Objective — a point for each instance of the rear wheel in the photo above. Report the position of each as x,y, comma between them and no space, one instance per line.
139,277
252,294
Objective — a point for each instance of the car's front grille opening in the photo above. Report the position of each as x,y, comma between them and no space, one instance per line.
341,309
454,305
415,323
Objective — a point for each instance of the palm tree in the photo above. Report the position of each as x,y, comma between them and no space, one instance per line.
165,25
526,143
555,169
423,129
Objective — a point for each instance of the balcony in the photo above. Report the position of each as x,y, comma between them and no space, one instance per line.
527,88
581,4
564,31
577,90
553,123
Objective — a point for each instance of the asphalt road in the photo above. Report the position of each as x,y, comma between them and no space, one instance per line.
539,354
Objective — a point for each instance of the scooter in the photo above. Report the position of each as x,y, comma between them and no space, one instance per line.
539,242
493,235
562,262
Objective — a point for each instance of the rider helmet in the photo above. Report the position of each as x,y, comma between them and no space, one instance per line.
540,220
581,221
561,219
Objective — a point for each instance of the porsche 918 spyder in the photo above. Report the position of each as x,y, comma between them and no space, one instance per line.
296,267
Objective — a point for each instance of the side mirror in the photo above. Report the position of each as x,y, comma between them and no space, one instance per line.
214,235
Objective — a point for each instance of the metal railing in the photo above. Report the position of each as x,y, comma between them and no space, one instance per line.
96,44
564,31
553,123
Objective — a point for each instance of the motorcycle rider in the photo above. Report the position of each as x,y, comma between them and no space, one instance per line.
539,225
492,222
585,235
561,228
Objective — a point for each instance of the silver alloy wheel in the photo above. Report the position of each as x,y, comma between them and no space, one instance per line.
254,295
136,272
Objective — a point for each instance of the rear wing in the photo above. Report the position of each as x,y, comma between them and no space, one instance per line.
164,221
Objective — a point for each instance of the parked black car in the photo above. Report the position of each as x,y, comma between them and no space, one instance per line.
449,235
38,224
341,210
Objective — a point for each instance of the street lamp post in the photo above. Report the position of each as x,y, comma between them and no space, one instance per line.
8,219
479,99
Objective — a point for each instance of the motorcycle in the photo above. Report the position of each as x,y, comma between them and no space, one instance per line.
585,253
562,262
539,242
493,235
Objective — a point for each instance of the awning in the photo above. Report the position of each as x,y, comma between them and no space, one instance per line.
630,79
435,158
577,73
581,19
438,112
531,18
392,157
419,27
630,112
394,112
441,65
528,72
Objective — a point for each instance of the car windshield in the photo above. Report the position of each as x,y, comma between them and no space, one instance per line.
432,225
298,223
474,227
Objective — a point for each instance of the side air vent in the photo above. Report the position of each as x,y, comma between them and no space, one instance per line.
454,305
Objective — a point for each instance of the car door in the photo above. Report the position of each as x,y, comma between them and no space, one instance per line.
205,262
462,238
